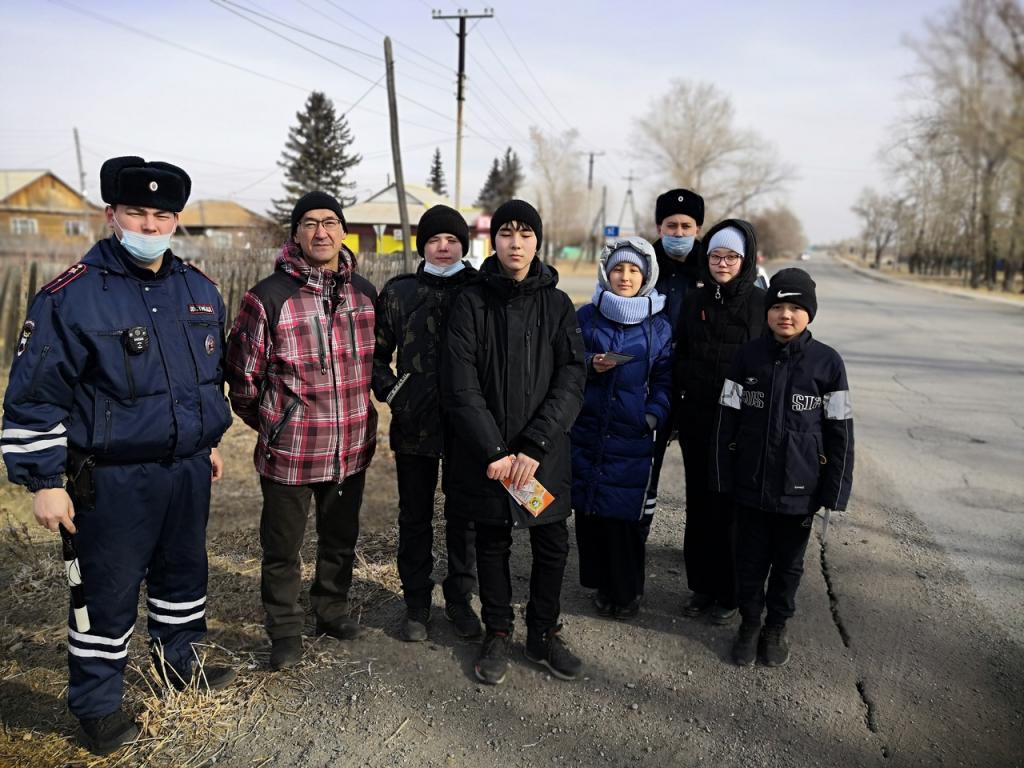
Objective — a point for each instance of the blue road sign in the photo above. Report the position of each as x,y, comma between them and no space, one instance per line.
610,231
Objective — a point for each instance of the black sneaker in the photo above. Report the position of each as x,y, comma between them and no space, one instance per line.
103,735
744,647
550,650
602,604
285,652
722,615
462,615
343,628
492,663
414,627
774,646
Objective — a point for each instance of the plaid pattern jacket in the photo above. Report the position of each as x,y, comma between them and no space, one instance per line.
299,364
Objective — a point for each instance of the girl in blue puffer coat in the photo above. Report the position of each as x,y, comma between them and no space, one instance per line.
629,379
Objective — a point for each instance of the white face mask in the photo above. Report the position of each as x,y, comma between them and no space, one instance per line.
144,248
448,271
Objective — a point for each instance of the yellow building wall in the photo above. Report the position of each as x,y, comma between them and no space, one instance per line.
388,244
351,242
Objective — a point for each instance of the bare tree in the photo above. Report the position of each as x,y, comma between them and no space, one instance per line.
779,232
689,137
972,66
560,188
880,215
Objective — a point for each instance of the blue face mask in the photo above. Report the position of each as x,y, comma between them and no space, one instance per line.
143,248
448,271
677,247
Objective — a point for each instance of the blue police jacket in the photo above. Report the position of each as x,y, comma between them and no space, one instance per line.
118,362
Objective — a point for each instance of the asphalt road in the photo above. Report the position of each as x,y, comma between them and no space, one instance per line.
938,405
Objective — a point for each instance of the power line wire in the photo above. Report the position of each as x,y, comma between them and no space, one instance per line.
382,33
529,71
328,41
148,35
329,60
515,81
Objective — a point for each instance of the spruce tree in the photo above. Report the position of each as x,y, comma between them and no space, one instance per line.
491,196
511,175
436,178
316,156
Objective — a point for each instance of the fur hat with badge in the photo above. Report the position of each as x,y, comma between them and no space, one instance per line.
679,201
792,286
442,220
130,180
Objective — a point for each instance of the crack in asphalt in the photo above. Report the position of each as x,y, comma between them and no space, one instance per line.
870,709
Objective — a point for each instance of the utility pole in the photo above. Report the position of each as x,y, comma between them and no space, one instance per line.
632,204
81,168
590,186
396,154
460,96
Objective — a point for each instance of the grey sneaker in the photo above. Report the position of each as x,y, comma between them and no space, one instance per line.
462,615
414,627
774,646
744,647
492,663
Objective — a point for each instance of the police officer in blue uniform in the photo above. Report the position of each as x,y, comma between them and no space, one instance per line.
116,393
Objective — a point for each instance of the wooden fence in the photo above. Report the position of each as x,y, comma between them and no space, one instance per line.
22,276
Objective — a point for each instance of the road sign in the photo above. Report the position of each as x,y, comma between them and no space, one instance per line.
610,231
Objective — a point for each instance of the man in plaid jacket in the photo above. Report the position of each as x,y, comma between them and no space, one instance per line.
299,364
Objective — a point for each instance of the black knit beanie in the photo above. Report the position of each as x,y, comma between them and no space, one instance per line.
679,201
792,286
521,211
442,220
313,201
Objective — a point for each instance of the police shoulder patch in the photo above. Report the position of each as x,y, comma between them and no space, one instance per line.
69,275
199,271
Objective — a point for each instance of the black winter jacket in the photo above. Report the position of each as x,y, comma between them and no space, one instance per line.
716,320
784,438
514,378
677,278
412,312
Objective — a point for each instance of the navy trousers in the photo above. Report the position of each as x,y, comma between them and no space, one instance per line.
148,522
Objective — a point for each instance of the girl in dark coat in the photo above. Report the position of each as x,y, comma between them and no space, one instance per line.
613,439
716,320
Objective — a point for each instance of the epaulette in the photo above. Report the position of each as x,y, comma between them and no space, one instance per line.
190,265
69,275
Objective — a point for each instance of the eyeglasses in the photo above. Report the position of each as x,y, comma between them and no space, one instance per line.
730,259
311,225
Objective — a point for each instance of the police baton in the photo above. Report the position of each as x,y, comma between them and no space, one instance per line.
74,574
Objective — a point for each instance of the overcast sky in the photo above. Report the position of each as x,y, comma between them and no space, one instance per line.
823,81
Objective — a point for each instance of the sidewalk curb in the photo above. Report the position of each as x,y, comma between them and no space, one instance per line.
966,294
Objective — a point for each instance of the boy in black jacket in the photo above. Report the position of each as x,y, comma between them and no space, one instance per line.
784,449
412,312
512,387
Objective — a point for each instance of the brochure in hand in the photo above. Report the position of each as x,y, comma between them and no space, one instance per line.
534,498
